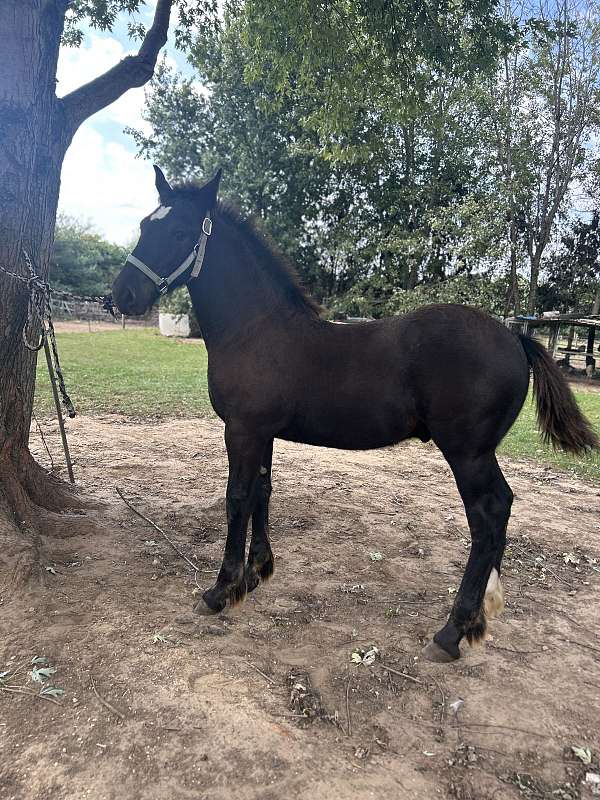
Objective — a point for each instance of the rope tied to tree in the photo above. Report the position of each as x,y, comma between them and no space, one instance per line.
39,317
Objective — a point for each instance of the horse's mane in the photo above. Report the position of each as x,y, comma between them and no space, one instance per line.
268,255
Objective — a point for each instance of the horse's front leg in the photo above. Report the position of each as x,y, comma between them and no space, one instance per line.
260,557
245,451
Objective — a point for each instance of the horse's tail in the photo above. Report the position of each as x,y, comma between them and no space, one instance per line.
559,417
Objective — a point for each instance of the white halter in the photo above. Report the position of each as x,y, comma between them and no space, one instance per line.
196,257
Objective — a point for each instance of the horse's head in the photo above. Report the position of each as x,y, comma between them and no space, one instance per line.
166,252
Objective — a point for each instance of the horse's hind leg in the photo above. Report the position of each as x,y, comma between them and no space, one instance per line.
260,557
487,499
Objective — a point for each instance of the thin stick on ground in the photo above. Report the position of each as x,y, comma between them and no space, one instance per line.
260,672
159,529
348,719
581,644
106,704
22,690
400,674
505,728
443,696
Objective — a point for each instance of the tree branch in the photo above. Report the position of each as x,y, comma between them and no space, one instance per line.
130,72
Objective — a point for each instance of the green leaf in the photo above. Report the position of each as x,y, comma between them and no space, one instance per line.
51,691
40,674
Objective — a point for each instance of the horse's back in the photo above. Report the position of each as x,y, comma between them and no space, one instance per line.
441,371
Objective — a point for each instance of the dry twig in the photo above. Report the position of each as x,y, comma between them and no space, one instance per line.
160,530
349,731
106,704
400,674
260,672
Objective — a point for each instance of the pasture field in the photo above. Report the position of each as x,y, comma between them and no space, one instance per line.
142,374
277,699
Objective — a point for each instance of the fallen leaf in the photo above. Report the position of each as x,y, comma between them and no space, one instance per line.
40,674
457,705
584,754
51,691
366,656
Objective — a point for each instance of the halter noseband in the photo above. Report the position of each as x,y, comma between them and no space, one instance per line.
196,257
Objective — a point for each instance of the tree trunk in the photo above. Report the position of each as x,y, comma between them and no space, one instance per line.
533,283
513,300
35,130
596,305
33,142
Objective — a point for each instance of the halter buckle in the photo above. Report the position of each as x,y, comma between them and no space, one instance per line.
207,226
163,286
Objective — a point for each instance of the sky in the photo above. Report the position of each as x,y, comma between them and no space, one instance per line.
102,180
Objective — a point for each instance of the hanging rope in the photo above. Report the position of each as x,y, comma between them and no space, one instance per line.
39,317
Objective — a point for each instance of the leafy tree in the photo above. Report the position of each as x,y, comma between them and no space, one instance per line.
392,198
82,262
573,274
539,113
366,58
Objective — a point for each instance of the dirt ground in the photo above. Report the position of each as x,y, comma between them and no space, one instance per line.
264,702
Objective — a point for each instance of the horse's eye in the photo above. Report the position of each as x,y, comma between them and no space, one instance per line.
180,236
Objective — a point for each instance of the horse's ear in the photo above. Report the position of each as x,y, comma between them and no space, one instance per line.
162,186
212,187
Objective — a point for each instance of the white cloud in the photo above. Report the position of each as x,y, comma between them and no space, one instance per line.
97,54
103,182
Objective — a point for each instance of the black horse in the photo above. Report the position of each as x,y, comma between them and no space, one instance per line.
277,370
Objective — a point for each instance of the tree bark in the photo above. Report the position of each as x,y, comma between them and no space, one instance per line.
513,300
533,283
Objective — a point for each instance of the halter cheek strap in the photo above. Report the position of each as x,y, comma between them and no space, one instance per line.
196,257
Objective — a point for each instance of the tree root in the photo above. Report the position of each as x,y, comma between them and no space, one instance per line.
35,507
49,492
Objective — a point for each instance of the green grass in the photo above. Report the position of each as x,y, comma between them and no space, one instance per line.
523,440
136,372
140,373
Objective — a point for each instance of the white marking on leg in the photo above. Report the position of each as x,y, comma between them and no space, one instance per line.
493,602
161,212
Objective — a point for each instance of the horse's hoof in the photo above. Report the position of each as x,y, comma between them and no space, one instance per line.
433,652
205,610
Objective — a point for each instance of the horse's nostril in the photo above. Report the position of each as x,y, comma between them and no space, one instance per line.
127,300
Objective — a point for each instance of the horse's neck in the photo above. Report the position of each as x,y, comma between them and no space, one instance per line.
234,292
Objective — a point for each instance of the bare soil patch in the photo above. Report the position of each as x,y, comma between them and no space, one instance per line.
265,701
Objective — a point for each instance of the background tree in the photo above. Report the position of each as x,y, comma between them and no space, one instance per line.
380,162
82,261
540,112
380,195
572,275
